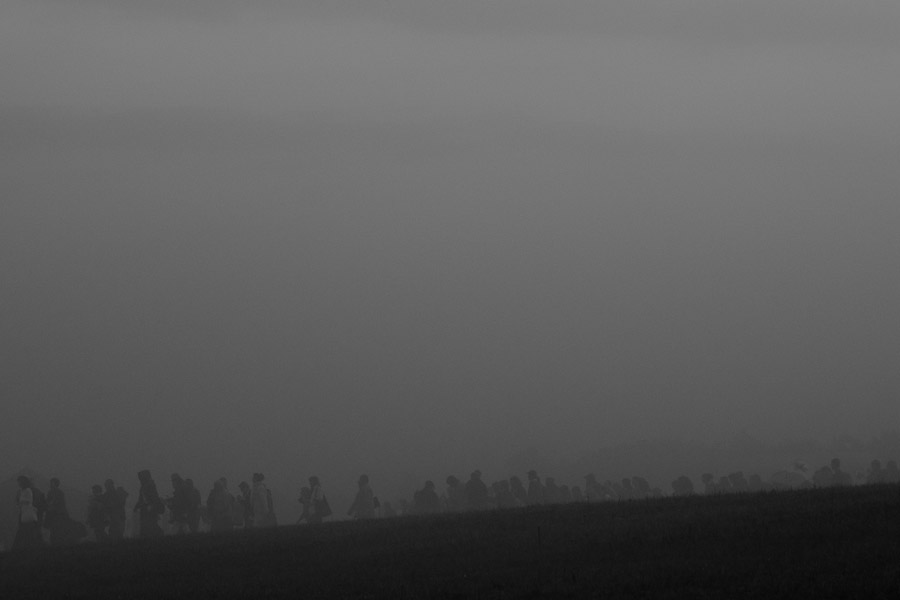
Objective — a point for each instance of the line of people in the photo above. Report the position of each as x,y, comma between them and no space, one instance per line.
252,505
107,516
475,495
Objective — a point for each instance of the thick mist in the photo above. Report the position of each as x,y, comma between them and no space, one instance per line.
329,241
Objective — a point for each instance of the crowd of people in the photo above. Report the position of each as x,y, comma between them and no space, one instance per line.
106,517
252,506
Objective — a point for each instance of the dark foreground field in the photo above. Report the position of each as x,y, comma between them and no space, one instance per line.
812,544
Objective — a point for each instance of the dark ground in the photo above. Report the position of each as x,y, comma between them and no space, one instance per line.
832,543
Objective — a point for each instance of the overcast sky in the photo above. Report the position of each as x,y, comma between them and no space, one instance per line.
414,236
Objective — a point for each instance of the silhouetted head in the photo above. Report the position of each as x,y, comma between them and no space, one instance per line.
429,485
476,474
363,480
189,484
835,464
23,481
110,485
96,490
54,483
144,476
176,479
452,481
244,486
532,475
313,481
257,477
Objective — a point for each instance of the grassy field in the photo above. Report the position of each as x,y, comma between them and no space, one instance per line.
833,543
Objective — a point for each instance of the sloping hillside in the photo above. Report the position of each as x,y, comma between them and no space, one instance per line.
831,543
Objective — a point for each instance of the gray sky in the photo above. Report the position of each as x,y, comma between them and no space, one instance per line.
336,237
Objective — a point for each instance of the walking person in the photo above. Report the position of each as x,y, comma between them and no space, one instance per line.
97,515
363,506
261,500
179,505
245,501
476,492
114,504
28,533
318,506
149,507
56,519
219,507
194,504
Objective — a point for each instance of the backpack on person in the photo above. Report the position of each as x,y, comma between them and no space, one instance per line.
322,508
39,502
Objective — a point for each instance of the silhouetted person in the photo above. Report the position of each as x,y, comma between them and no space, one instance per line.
426,501
261,499
219,507
28,532
194,505
271,519
682,486
592,489
40,505
839,477
738,482
518,491
503,494
114,504
535,489
709,484
245,502
577,495
305,500
97,517
456,494
56,518
363,506
823,477
149,507
178,505
234,511
640,487
319,508
476,492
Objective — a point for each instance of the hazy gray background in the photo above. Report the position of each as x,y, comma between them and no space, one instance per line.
411,237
